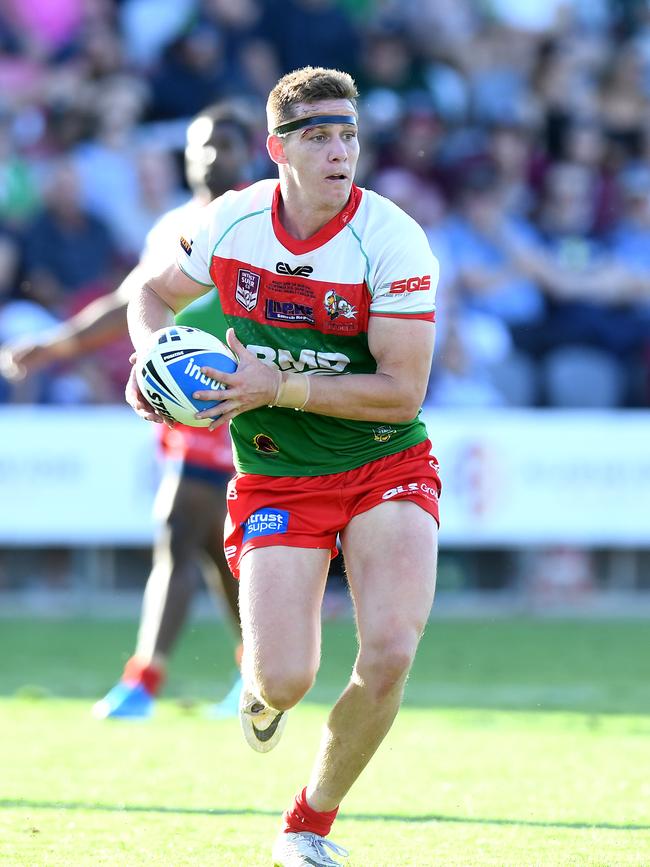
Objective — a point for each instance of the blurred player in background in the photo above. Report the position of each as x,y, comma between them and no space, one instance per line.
331,290
190,503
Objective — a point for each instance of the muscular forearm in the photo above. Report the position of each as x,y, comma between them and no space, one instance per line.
365,397
146,313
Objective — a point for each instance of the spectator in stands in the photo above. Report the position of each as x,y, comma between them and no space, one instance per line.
67,251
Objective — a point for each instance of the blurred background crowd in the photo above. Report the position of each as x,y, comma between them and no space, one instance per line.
517,134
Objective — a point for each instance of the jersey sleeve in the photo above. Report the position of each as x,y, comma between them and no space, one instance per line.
194,249
404,277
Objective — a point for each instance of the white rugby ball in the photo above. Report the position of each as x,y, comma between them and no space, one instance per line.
171,372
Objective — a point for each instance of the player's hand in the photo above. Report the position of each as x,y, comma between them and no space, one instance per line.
20,360
252,385
137,400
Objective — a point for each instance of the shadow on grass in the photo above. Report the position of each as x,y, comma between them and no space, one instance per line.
18,804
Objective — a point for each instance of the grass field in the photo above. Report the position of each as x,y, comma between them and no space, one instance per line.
522,742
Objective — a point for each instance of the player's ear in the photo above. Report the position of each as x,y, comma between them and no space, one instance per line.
275,148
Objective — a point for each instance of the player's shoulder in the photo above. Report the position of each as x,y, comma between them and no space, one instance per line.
253,199
378,207
383,222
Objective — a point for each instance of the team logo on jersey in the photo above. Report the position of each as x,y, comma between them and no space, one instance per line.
298,271
289,311
383,433
248,288
265,444
336,305
186,245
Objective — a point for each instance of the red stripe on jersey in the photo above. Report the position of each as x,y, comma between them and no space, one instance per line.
288,300
323,235
429,316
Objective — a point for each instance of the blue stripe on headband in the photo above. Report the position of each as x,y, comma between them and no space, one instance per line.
316,120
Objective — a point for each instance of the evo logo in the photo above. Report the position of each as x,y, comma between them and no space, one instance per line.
266,522
299,271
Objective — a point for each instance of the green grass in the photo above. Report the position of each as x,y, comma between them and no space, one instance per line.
521,742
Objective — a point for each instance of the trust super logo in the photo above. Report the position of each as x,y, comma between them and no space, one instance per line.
247,289
336,305
289,311
266,522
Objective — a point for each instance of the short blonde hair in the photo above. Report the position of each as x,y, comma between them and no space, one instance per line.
309,84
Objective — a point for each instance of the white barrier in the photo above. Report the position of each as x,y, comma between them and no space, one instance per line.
76,476
87,477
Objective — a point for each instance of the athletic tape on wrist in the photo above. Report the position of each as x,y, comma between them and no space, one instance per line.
293,391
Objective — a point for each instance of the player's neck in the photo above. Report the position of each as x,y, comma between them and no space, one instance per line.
299,217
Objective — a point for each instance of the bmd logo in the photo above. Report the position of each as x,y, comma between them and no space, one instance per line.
300,271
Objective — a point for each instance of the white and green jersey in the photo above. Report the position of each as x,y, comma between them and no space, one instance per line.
304,306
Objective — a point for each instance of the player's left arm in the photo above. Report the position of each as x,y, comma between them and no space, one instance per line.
403,349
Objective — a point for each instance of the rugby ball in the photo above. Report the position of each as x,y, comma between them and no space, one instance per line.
170,373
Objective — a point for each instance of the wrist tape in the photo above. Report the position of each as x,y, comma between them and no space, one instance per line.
293,391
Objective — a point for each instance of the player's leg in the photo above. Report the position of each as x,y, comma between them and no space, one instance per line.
281,592
392,587
223,585
184,523
392,584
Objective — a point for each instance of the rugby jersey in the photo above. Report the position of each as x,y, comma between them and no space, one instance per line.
304,306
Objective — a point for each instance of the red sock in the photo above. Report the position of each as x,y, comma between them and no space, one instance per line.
301,817
150,676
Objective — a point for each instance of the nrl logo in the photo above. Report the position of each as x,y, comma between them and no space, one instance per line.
336,305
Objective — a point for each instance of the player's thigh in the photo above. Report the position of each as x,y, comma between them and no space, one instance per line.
390,553
186,508
280,596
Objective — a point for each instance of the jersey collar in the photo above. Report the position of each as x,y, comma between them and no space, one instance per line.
322,236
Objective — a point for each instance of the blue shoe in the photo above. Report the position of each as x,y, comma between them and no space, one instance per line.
125,701
228,706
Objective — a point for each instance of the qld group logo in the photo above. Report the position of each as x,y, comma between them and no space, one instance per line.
336,305
248,288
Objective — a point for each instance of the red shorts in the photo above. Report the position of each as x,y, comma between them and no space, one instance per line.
310,511
211,450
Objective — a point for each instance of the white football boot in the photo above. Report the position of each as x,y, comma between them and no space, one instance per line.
303,848
262,725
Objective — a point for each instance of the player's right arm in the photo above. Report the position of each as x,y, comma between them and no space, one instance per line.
150,308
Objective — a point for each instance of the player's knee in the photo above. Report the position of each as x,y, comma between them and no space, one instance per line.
384,666
283,688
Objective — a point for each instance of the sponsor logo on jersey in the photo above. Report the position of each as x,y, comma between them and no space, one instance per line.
409,489
309,359
248,287
299,271
265,444
289,311
336,305
186,245
230,551
383,434
411,284
266,522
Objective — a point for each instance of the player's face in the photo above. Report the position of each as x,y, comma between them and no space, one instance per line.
322,160
217,156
